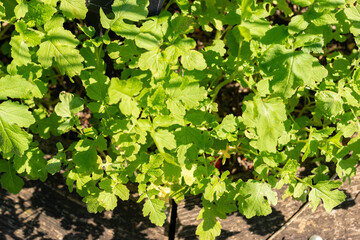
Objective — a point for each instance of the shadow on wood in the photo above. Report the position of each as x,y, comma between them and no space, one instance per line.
38,212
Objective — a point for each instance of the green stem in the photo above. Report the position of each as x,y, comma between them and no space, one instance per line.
227,81
299,179
215,81
291,117
218,87
248,150
101,152
306,107
4,30
168,5
228,28
74,129
249,85
357,119
218,35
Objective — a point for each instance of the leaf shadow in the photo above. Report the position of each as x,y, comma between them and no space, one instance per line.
188,232
13,222
264,225
52,212
349,201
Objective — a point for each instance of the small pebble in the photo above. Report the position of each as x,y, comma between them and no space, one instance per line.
315,237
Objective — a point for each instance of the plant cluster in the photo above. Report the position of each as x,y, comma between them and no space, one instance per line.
135,100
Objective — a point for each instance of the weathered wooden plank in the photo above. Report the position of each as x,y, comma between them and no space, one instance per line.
341,223
39,212
235,226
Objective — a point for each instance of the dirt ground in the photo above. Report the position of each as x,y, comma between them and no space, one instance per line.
47,211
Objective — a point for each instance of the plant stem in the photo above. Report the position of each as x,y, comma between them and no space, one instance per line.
218,34
101,152
227,29
218,87
168,5
4,30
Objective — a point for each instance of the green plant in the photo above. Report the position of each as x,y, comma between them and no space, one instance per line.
148,114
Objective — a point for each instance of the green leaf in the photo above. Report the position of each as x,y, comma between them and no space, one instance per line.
73,9
85,156
319,72
121,191
346,168
323,5
115,187
155,61
14,87
12,138
290,69
21,9
155,207
51,2
93,56
190,59
9,6
255,198
19,51
182,89
123,53
146,41
300,190
303,3
209,228
32,163
60,44
277,34
38,13
267,118
288,172
163,121
157,100
9,180
329,104
188,174
246,8
215,189
283,5
227,127
297,24
107,200
157,26
120,88
31,36
2,11
323,191
88,30
353,15
193,60
257,27
129,107
97,86
164,139
68,105
92,204
54,165
133,10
